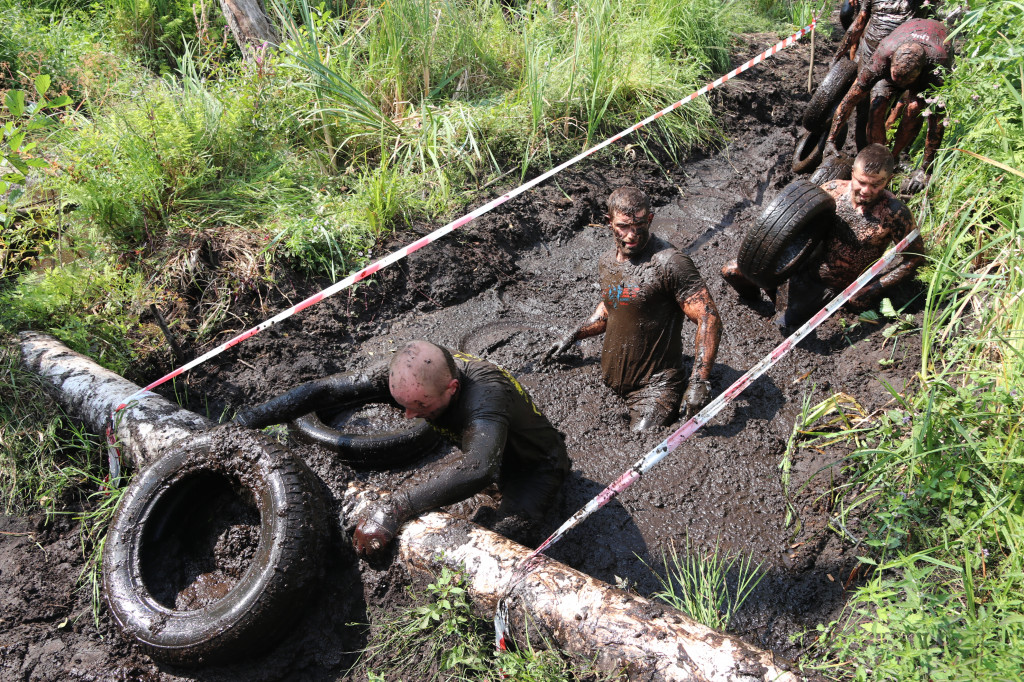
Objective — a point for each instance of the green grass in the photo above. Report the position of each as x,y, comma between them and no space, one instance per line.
709,587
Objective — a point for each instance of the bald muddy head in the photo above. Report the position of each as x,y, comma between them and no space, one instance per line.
907,63
422,379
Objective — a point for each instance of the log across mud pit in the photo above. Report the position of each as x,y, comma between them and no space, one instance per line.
532,266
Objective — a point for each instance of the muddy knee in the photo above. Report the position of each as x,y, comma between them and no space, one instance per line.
743,286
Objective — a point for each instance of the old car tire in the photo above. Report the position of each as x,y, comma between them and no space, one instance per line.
165,528
836,168
369,451
829,94
788,231
811,147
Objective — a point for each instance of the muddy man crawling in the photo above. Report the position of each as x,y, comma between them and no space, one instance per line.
649,287
868,219
480,407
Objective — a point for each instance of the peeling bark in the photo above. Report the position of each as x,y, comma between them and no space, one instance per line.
249,24
646,640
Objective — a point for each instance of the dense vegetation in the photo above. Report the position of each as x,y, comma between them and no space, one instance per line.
169,168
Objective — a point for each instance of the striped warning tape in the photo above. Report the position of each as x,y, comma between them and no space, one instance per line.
456,224
633,474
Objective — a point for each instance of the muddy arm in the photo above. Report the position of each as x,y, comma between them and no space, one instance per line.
700,308
848,46
858,91
337,388
454,479
903,224
933,138
595,325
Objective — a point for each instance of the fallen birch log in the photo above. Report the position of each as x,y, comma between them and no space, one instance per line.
646,640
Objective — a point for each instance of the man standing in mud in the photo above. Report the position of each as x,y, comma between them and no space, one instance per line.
868,219
910,58
480,407
649,287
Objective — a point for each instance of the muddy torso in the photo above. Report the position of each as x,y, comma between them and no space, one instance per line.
487,392
930,34
859,239
885,17
643,296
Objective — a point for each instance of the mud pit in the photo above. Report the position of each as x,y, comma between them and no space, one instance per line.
503,288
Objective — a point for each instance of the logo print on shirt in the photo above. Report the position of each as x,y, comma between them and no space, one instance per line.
622,295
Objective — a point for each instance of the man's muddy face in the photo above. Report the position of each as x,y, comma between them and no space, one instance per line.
631,232
866,188
419,401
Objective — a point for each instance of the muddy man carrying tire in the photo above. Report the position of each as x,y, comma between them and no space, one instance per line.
649,288
480,407
867,219
911,58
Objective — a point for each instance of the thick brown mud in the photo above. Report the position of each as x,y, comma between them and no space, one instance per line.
504,288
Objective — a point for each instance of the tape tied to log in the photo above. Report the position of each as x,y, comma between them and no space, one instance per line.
456,224
635,472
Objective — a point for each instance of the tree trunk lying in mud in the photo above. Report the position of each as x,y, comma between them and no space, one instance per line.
577,612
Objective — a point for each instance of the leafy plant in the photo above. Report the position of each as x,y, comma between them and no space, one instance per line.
16,159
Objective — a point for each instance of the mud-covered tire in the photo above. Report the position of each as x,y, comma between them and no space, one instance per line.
788,231
836,168
146,556
377,451
829,94
811,147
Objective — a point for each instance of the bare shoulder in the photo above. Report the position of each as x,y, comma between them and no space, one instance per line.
836,188
894,214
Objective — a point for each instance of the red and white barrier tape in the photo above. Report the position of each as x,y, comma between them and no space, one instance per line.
456,224
633,474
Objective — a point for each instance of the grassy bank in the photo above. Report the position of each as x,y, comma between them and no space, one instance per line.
943,481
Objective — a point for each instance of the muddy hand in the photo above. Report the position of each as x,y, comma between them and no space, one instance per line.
698,394
915,182
558,348
830,150
375,530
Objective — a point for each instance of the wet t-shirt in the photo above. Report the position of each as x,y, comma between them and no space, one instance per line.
643,296
930,34
886,16
488,392
858,240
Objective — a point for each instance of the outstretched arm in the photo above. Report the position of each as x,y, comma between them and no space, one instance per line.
448,481
857,92
306,397
848,46
596,324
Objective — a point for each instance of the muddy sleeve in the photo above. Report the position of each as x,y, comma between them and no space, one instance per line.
454,479
682,277
338,388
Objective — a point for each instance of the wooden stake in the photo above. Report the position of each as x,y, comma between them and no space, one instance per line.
810,68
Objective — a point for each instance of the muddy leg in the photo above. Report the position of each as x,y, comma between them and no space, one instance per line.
910,126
